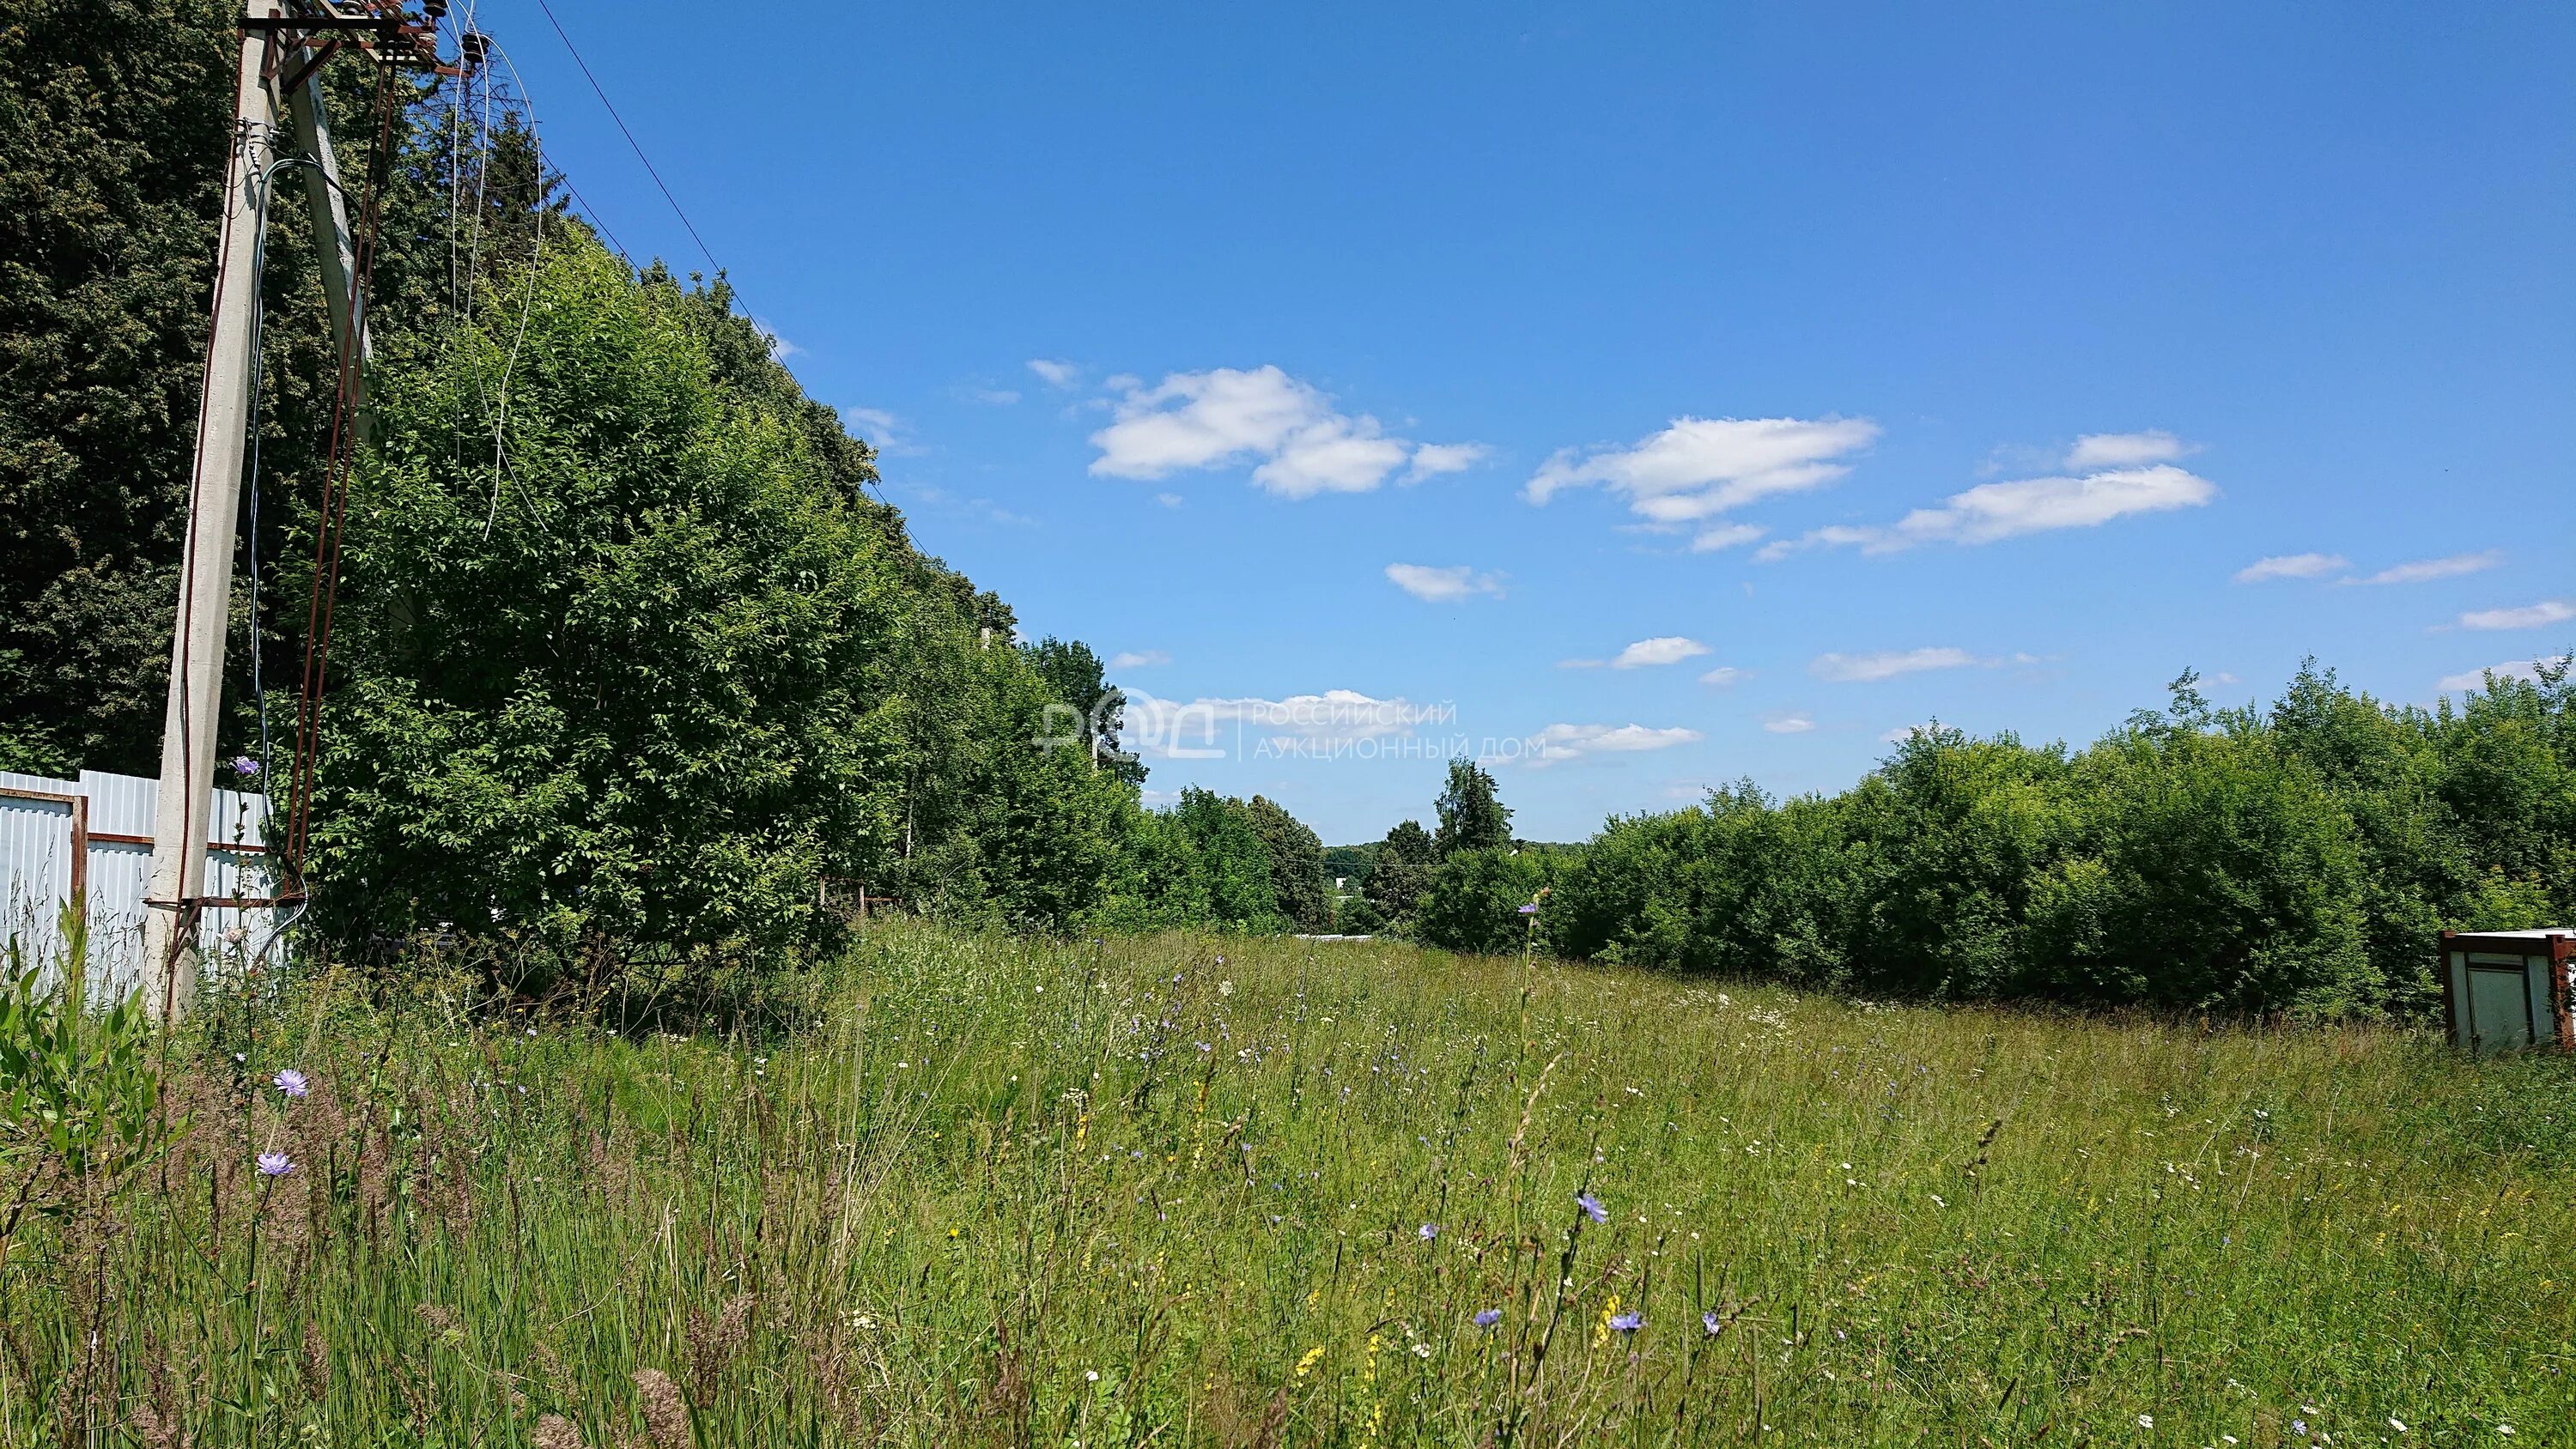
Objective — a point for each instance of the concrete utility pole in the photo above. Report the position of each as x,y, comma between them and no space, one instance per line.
278,52
188,724
334,247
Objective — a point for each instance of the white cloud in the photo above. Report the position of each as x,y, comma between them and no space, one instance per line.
1789,724
2509,669
1168,500
1725,676
997,397
2124,450
2292,566
1902,733
1701,467
1054,373
883,431
1560,742
1728,535
1648,653
1432,459
1993,511
2530,616
1227,415
1138,659
1887,664
2426,570
1443,585
1206,727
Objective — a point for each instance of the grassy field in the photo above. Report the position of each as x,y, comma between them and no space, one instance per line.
1185,1191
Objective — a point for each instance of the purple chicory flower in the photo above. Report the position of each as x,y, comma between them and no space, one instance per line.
1592,1207
1530,910
292,1083
275,1164
1628,1322
1428,1231
1488,1317
1714,1324
245,766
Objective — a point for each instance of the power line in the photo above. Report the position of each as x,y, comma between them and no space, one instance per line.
630,136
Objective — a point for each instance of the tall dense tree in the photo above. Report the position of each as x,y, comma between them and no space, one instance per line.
1472,815
115,118
1399,871
1094,709
1296,866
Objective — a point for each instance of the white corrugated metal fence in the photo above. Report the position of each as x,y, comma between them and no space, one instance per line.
37,861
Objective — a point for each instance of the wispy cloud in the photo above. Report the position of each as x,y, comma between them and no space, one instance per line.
1903,732
883,431
1644,654
1433,459
1648,653
1168,500
1798,723
932,496
1300,444
1726,535
1991,512
2292,566
2508,669
1207,727
1699,468
2529,616
1138,659
2125,450
1724,676
1561,742
1055,373
1887,664
1443,585
2427,570
992,397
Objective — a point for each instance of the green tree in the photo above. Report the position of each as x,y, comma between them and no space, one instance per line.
1296,866
1094,709
1398,872
1473,899
1472,816
114,117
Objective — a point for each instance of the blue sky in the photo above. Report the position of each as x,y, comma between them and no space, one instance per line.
1830,368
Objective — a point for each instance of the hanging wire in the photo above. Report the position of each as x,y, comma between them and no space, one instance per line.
527,301
631,142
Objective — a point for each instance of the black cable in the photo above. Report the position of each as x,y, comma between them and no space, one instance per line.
630,136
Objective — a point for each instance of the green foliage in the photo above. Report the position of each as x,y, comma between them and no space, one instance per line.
1473,899
1357,915
114,117
1398,871
627,670
2303,859
1472,816
1297,887
1090,709
1205,864
79,1093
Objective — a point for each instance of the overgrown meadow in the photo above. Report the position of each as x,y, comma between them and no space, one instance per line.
1225,1191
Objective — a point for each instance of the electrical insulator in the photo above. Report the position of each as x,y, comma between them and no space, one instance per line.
472,46
436,10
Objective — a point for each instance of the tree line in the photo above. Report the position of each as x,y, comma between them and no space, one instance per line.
2299,857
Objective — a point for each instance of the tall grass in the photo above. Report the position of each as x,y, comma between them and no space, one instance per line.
1188,1191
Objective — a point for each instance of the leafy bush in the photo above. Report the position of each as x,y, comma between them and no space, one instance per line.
78,1090
1474,898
